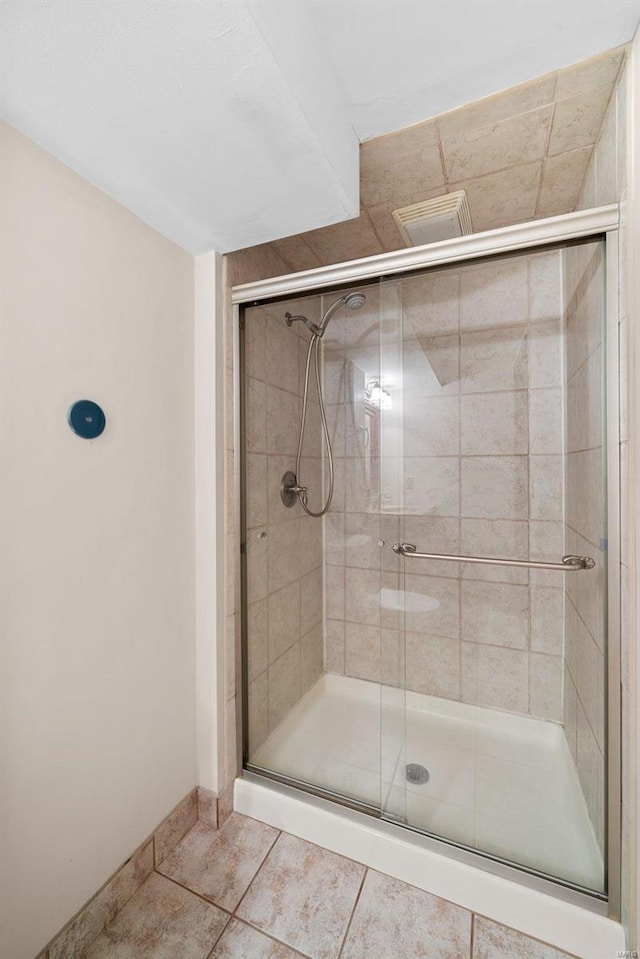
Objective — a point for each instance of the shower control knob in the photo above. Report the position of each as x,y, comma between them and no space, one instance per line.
382,542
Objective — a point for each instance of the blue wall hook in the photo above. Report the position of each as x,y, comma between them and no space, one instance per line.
86,419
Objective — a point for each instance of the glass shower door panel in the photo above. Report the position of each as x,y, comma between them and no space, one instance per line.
386,404
493,424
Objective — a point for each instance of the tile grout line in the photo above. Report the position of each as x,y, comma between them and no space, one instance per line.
193,892
267,935
472,934
353,912
257,872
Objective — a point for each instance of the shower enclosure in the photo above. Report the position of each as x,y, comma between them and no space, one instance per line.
436,648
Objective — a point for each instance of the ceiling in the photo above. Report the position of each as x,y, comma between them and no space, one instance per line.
519,155
228,123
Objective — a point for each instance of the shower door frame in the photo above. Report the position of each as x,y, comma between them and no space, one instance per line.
597,223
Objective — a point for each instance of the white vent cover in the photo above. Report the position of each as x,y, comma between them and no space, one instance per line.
441,218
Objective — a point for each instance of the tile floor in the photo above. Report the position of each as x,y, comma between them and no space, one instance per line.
499,782
248,891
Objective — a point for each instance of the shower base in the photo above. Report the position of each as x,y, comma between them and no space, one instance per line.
500,783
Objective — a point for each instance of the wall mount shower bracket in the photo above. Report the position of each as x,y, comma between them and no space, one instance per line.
289,489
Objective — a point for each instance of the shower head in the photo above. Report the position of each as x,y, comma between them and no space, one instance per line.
354,301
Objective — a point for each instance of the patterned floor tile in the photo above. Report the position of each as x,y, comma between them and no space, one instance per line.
398,921
239,941
493,941
304,896
161,921
219,865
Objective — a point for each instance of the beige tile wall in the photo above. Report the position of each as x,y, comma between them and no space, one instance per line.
585,523
606,182
520,155
475,436
284,546
257,263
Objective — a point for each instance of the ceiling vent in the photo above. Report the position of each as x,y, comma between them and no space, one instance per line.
441,218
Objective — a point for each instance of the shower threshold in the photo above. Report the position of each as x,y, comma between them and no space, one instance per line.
498,782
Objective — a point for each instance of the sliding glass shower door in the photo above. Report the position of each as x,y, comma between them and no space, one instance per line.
489,423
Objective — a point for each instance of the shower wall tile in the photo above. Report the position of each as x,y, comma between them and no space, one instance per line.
277,512
545,421
455,466
545,690
258,712
545,354
570,712
494,424
283,554
284,547
433,363
255,343
285,685
432,605
494,360
496,677
311,657
547,609
256,502
334,537
257,637
311,596
562,177
494,487
256,419
494,295
362,596
497,538
436,486
335,592
546,487
431,424
433,665
495,614
393,658
362,651
591,771
361,540
584,517
440,292
282,361
334,646
284,619
282,421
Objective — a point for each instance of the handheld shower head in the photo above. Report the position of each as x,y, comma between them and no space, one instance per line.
353,301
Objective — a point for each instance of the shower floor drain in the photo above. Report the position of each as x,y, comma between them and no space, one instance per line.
417,774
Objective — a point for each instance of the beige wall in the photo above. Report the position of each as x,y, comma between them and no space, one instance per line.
98,704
